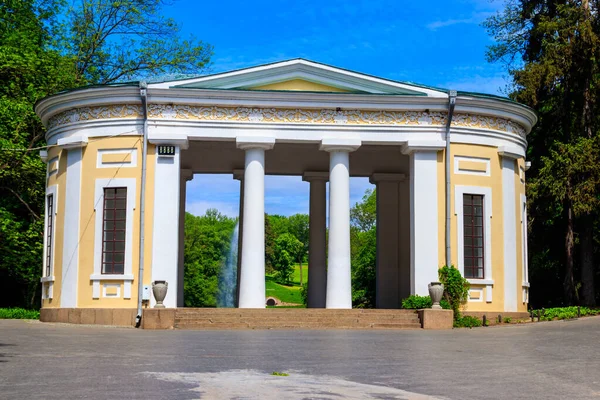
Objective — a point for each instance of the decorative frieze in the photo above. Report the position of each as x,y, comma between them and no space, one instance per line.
285,116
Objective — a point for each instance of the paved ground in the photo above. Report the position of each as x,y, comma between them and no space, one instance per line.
552,360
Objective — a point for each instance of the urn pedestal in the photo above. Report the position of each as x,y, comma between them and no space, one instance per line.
159,290
436,290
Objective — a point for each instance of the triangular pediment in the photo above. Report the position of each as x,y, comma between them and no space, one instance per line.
305,76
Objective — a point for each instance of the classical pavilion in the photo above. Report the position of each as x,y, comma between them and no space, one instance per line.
449,169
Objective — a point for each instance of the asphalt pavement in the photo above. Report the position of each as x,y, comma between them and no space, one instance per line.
547,360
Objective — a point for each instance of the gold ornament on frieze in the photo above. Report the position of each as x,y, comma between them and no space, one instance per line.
286,115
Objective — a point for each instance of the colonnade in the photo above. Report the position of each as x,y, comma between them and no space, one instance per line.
407,226
401,243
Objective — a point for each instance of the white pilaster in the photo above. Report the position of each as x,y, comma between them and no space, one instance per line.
186,175
165,229
389,245
317,267
424,262
510,233
252,276
339,289
70,261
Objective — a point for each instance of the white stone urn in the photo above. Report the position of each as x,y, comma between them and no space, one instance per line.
159,289
436,290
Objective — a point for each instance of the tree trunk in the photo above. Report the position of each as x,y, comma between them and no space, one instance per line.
588,295
300,260
569,282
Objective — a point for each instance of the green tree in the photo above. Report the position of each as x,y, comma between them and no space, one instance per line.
116,40
206,246
363,246
29,71
298,226
286,247
364,214
551,51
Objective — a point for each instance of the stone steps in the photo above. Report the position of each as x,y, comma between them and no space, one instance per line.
204,318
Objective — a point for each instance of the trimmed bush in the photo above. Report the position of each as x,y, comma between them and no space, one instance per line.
18,313
550,314
416,302
467,322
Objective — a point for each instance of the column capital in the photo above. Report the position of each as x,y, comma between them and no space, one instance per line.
238,174
412,146
187,174
178,140
255,142
386,177
310,176
340,144
511,152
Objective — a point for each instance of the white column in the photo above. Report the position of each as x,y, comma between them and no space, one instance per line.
186,175
339,289
70,259
510,234
424,226
252,276
390,249
165,229
238,174
317,267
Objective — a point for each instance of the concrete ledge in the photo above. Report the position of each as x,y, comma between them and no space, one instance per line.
90,316
158,318
436,319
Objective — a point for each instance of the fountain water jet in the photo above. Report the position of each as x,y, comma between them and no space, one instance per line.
228,276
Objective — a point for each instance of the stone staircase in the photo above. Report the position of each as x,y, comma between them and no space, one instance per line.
294,318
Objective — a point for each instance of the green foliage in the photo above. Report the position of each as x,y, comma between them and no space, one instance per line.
363,269
467,322
276,373
551,50
507,320
364,214
286,248
304,293
18,313
550,314
207,241
29,71
456,288
116,40
415,302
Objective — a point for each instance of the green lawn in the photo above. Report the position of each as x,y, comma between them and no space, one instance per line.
287,294
296,276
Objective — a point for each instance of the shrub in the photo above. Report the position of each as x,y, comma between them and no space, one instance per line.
18,313
466,322
564,313
304,293
456,288
416,302
507,320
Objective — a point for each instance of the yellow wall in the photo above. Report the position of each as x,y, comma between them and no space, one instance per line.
89,174
58,179
300,85
494,181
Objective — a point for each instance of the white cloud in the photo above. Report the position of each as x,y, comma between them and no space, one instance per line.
475,18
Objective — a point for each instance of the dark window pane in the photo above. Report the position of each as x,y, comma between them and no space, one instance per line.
473,240
113,237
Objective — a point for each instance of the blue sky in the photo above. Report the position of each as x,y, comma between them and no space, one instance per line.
437,43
